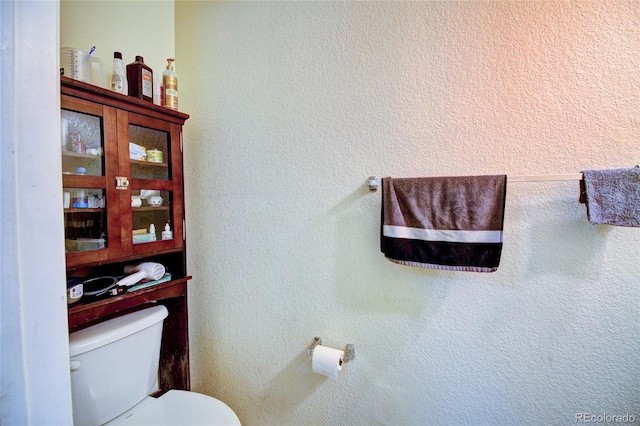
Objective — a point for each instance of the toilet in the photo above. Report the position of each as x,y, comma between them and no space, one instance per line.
114,369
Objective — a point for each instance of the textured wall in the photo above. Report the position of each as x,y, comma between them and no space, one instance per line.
144,28
295,104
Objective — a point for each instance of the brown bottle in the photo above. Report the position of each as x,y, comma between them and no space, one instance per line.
140,78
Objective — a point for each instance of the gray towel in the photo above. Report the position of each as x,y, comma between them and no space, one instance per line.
612,196
451,223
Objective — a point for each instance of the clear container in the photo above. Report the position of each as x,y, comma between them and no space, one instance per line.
80,199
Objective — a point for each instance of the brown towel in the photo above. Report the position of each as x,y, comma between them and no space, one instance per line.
451,223
612,196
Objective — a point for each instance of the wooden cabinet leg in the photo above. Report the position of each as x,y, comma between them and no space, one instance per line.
174,354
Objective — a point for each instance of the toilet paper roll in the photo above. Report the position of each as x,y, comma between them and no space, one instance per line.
327,361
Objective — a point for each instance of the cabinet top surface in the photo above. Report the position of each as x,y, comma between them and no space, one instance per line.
76,88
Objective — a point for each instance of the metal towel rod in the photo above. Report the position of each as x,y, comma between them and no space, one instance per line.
373,182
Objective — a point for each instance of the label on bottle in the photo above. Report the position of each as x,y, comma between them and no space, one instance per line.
147,83
117,83
170,92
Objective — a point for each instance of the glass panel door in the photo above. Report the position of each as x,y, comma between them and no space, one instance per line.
84,202
149,153
85,219
151,213
82,145
152,188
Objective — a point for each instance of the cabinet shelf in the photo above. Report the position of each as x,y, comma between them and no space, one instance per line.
80,155
150,208
148,163
84,210
87,311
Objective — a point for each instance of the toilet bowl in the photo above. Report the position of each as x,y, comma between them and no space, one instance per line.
114,370
178,408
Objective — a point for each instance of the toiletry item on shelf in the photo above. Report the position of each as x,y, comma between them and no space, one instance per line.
142,238
96,199
119,76
64,128
81,65
80,195
166,277
137,152
140,80
170,86
155,200
80,199
167,234
74,289
152,231
154,156
142,271
76,143
157,90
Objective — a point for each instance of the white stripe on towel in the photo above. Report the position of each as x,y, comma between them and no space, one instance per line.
452,236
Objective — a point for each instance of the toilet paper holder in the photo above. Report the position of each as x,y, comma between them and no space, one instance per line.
349,350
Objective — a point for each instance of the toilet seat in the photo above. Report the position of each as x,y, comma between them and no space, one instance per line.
181,408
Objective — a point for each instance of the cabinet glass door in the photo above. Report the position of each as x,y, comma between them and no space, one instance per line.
152,192
149,153
83,168
82,145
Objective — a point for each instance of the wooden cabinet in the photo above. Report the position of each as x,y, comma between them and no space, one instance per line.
122,177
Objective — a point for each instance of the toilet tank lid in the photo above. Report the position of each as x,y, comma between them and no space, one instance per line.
109,331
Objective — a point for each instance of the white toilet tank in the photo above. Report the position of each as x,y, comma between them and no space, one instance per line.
114,365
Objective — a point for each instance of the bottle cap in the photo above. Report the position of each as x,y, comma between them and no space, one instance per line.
166,227
139,59
170,63
117,55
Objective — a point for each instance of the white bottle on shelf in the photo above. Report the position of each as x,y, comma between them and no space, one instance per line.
167,234
157,90
119,76
152,231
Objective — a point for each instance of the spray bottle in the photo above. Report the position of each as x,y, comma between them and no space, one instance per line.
170,86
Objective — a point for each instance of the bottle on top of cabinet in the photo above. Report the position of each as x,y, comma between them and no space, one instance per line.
157,90
118,76
170,86
140,78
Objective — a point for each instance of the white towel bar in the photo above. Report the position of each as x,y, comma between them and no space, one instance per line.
373,182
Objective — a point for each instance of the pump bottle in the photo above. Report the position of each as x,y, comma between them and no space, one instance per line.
170,86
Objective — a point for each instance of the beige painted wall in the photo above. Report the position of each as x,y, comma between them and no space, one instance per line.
295,104
133,28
